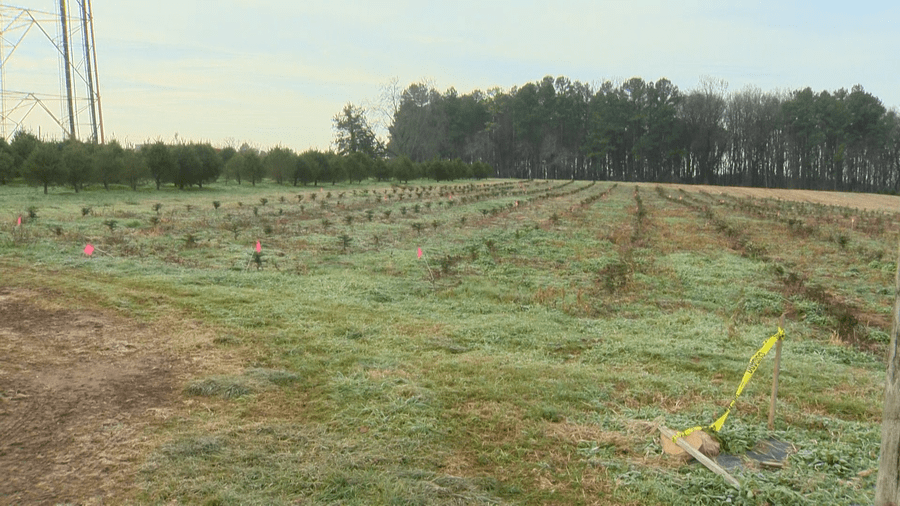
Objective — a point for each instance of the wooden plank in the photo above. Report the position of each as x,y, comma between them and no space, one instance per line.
887,487
703,459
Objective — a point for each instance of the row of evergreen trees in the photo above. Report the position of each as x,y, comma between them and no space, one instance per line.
76,164
652,131
550,129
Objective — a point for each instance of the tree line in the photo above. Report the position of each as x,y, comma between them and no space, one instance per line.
75,164
652,131
548,129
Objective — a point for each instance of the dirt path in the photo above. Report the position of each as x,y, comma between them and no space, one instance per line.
77,391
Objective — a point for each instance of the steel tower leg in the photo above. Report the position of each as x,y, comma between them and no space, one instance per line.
68,65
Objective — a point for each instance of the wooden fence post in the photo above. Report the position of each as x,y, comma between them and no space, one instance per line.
887,488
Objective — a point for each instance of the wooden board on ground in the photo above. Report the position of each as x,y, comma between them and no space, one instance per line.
667,433
703,442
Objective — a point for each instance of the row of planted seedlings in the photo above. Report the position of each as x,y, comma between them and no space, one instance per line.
609,264
335,225
829,222
246,222
414,199
230,226
499,208
425,204
426,211
629,236
502,204
587,201
331,210
802,287
238,219
555,193
394,233
857,231
560,192
528,242
858,254
794,213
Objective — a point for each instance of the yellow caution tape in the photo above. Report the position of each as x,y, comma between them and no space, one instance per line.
751,368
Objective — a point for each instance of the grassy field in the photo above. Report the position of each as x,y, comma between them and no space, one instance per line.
527,357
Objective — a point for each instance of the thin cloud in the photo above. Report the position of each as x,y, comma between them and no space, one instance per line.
274,71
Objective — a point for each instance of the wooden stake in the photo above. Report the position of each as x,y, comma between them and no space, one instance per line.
703,459
887,487
775,377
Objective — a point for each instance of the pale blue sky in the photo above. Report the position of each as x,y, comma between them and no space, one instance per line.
275,72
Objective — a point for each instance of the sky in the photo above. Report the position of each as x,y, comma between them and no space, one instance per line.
273,72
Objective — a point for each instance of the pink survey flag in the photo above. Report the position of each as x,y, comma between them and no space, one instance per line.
258,247
419,253
88,250
19,221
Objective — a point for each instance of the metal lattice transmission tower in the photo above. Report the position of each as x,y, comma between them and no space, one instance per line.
32,92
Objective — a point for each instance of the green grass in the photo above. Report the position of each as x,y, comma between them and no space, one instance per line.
524,367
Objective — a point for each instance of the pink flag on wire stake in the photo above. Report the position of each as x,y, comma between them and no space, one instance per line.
258,247
19,221
89,250
419,253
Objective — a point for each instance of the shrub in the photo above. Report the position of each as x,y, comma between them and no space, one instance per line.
345,242
615,276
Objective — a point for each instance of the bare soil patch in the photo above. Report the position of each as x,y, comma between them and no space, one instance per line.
78,388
